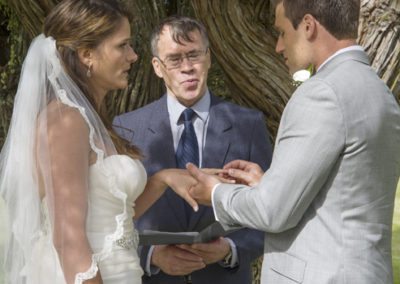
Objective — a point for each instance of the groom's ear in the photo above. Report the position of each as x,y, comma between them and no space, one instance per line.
309,26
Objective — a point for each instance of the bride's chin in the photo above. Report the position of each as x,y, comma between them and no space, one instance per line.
122,85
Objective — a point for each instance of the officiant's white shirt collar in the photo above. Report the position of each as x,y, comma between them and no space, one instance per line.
201,108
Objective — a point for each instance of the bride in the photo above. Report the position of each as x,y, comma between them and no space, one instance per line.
70,184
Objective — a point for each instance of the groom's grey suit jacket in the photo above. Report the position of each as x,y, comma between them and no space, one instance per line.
326,203
233,133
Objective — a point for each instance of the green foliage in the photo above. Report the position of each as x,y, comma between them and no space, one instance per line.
216,81
9,73
14,45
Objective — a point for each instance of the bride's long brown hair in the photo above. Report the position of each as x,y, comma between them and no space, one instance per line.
77,24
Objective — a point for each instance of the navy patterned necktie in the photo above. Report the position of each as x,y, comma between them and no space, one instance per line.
188,148
187,151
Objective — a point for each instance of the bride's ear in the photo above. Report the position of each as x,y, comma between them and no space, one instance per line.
85,56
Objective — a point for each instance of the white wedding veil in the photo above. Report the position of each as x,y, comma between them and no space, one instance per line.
25,169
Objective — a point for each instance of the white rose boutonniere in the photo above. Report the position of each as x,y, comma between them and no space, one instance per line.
302,75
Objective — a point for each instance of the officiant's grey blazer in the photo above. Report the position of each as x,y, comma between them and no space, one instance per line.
326,203
233,132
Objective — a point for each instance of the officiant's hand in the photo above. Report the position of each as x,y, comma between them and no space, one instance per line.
244,172
210,252
173,260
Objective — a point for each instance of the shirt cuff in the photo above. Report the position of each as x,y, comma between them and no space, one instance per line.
235,256
212,200
151,269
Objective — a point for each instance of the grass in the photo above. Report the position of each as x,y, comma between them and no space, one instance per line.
396,238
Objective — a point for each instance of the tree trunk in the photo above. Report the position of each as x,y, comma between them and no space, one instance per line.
243,43
379,34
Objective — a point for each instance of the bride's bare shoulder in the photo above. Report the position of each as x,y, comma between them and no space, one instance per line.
58,119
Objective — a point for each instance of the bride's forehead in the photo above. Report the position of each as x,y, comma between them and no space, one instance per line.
121,33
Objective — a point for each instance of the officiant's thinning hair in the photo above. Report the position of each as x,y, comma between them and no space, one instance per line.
180,27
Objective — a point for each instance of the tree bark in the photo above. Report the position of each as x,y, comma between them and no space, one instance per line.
379,34
243,43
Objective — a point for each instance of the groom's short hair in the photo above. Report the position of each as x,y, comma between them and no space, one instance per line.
339,17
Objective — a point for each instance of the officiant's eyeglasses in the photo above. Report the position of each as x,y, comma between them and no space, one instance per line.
175,61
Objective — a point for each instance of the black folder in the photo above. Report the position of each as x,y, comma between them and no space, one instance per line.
209,233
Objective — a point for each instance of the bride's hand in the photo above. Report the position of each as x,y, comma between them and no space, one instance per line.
180,181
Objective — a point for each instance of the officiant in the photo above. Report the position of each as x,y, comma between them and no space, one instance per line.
190,124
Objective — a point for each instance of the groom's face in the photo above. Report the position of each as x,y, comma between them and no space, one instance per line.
293,44
183,66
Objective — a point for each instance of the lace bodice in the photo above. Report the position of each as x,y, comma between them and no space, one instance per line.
114,184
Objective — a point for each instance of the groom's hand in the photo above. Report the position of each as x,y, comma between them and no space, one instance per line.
205,183
244,172
173,260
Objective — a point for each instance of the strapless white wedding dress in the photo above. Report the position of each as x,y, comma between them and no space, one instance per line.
114,184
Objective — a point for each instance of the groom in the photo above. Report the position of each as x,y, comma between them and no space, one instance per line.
326,203
190,120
